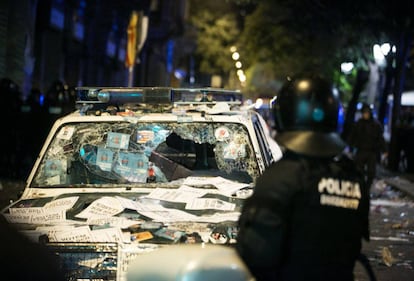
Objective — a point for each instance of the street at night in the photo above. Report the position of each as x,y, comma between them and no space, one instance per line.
278,129
391,249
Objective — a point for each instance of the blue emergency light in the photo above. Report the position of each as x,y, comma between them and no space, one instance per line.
120,97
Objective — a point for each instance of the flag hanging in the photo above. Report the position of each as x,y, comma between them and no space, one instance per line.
132,40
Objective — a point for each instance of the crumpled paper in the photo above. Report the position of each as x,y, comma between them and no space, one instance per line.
387,257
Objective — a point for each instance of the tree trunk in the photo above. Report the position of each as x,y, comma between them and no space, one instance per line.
361,80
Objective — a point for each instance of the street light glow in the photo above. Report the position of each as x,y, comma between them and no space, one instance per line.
380,52
385,48
258,104
235,55
346,67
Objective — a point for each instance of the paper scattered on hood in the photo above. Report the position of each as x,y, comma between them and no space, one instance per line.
183,194
104,206
226,186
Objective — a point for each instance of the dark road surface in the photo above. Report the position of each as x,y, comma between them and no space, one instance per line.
391,249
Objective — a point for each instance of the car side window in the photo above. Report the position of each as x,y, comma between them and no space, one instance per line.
263,143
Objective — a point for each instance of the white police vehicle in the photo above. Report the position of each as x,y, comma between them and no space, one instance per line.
135,170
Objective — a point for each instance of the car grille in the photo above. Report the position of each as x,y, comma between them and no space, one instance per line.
95,261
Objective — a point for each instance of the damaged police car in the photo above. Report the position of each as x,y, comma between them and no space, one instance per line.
133,170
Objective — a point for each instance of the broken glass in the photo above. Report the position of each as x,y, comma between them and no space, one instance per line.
124,152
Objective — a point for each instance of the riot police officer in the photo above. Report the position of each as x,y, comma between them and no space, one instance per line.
309,211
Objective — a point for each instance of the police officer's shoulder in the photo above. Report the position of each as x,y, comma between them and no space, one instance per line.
291,162
283,174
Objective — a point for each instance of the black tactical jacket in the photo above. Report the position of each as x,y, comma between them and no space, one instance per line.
305,220
367,135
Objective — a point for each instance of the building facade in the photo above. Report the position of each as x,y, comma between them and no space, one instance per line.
83,43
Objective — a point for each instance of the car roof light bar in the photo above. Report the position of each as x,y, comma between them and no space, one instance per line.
206,95
124,95
93,98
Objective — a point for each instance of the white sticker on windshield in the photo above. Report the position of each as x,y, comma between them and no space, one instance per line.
234,151
222,133
144,136
66,133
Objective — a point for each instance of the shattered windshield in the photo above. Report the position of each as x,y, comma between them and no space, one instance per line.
122,152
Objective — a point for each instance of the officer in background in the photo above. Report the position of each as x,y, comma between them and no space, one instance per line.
367,143
310,210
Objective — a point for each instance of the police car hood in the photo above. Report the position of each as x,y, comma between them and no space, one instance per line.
191,209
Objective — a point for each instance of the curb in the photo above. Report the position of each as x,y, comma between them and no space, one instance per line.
402,184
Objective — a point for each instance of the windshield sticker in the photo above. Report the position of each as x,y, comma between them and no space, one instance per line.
130,163
145,136
117,140
66,133
54,167
234,151
68,148
222,133
104,158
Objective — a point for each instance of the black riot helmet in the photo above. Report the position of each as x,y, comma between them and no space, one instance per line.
306,114
366,108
